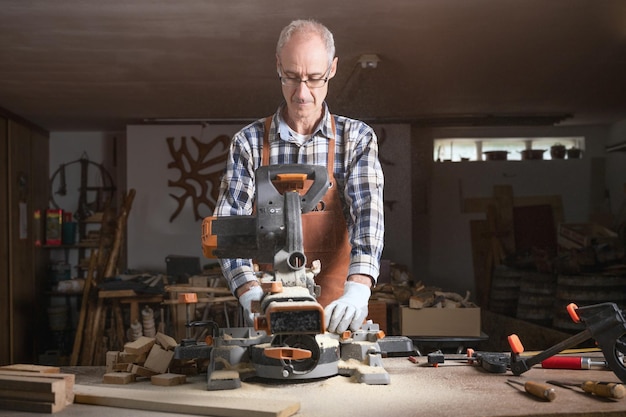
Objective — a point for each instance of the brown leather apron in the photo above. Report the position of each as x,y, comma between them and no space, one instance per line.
325,231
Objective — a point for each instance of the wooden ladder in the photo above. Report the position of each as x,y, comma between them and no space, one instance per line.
102,264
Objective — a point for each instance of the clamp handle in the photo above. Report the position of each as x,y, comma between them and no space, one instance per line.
604,322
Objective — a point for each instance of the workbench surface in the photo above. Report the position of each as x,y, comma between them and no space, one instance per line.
415,390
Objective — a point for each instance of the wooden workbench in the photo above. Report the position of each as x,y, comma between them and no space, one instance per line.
415,390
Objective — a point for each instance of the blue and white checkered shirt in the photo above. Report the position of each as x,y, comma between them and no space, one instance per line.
357,171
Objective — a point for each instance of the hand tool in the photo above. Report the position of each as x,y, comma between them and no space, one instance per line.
572,362
601,389
537,389
604,322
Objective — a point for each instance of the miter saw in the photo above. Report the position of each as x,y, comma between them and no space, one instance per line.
289,339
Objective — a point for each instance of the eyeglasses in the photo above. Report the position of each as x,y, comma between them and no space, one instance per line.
296,81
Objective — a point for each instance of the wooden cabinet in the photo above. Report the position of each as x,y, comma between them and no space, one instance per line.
23,189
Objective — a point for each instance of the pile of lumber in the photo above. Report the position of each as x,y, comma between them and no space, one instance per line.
35,388
419,295
431,297
146,357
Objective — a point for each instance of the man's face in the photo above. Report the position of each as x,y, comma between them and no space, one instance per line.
304,58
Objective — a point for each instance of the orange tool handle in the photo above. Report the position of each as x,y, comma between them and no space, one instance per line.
286,353
571,310
516,344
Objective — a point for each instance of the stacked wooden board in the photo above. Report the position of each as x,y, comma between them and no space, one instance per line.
35,388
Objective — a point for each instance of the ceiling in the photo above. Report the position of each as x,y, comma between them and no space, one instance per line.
100,65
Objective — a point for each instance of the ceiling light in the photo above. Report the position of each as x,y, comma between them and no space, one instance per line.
369,60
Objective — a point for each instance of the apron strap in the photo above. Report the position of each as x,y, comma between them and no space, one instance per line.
266,141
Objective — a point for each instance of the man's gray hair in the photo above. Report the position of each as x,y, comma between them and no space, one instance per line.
309,26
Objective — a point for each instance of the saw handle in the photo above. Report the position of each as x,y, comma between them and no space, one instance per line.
267,194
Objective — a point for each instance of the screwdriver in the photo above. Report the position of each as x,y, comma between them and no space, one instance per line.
538,390
571,362
601,389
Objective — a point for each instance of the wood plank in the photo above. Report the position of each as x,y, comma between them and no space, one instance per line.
203,300
205,403
114,253
6,306
68,379
117,293
34,388
24,367
31,406
31,383
82,318
211,290
46,397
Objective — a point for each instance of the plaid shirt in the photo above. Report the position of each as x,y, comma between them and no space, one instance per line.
357,172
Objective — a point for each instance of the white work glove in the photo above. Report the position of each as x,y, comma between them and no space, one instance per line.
253,294
349,310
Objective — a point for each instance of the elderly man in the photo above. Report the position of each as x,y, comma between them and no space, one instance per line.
347,236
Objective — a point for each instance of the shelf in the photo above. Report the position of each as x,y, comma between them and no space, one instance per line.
618,147
91,245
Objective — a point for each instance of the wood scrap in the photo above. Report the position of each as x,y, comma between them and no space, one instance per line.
145,357
142,371
166,342
168,379
139,346
118,378
205,403
159,359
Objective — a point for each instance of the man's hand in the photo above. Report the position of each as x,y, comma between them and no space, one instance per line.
349,310
253,293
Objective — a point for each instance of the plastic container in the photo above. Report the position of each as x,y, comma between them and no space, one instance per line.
60,271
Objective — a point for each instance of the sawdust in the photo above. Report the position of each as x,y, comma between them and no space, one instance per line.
414,390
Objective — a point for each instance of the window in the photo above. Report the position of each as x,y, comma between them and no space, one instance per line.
474,149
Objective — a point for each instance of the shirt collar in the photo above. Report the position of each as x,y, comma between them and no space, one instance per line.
324,128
